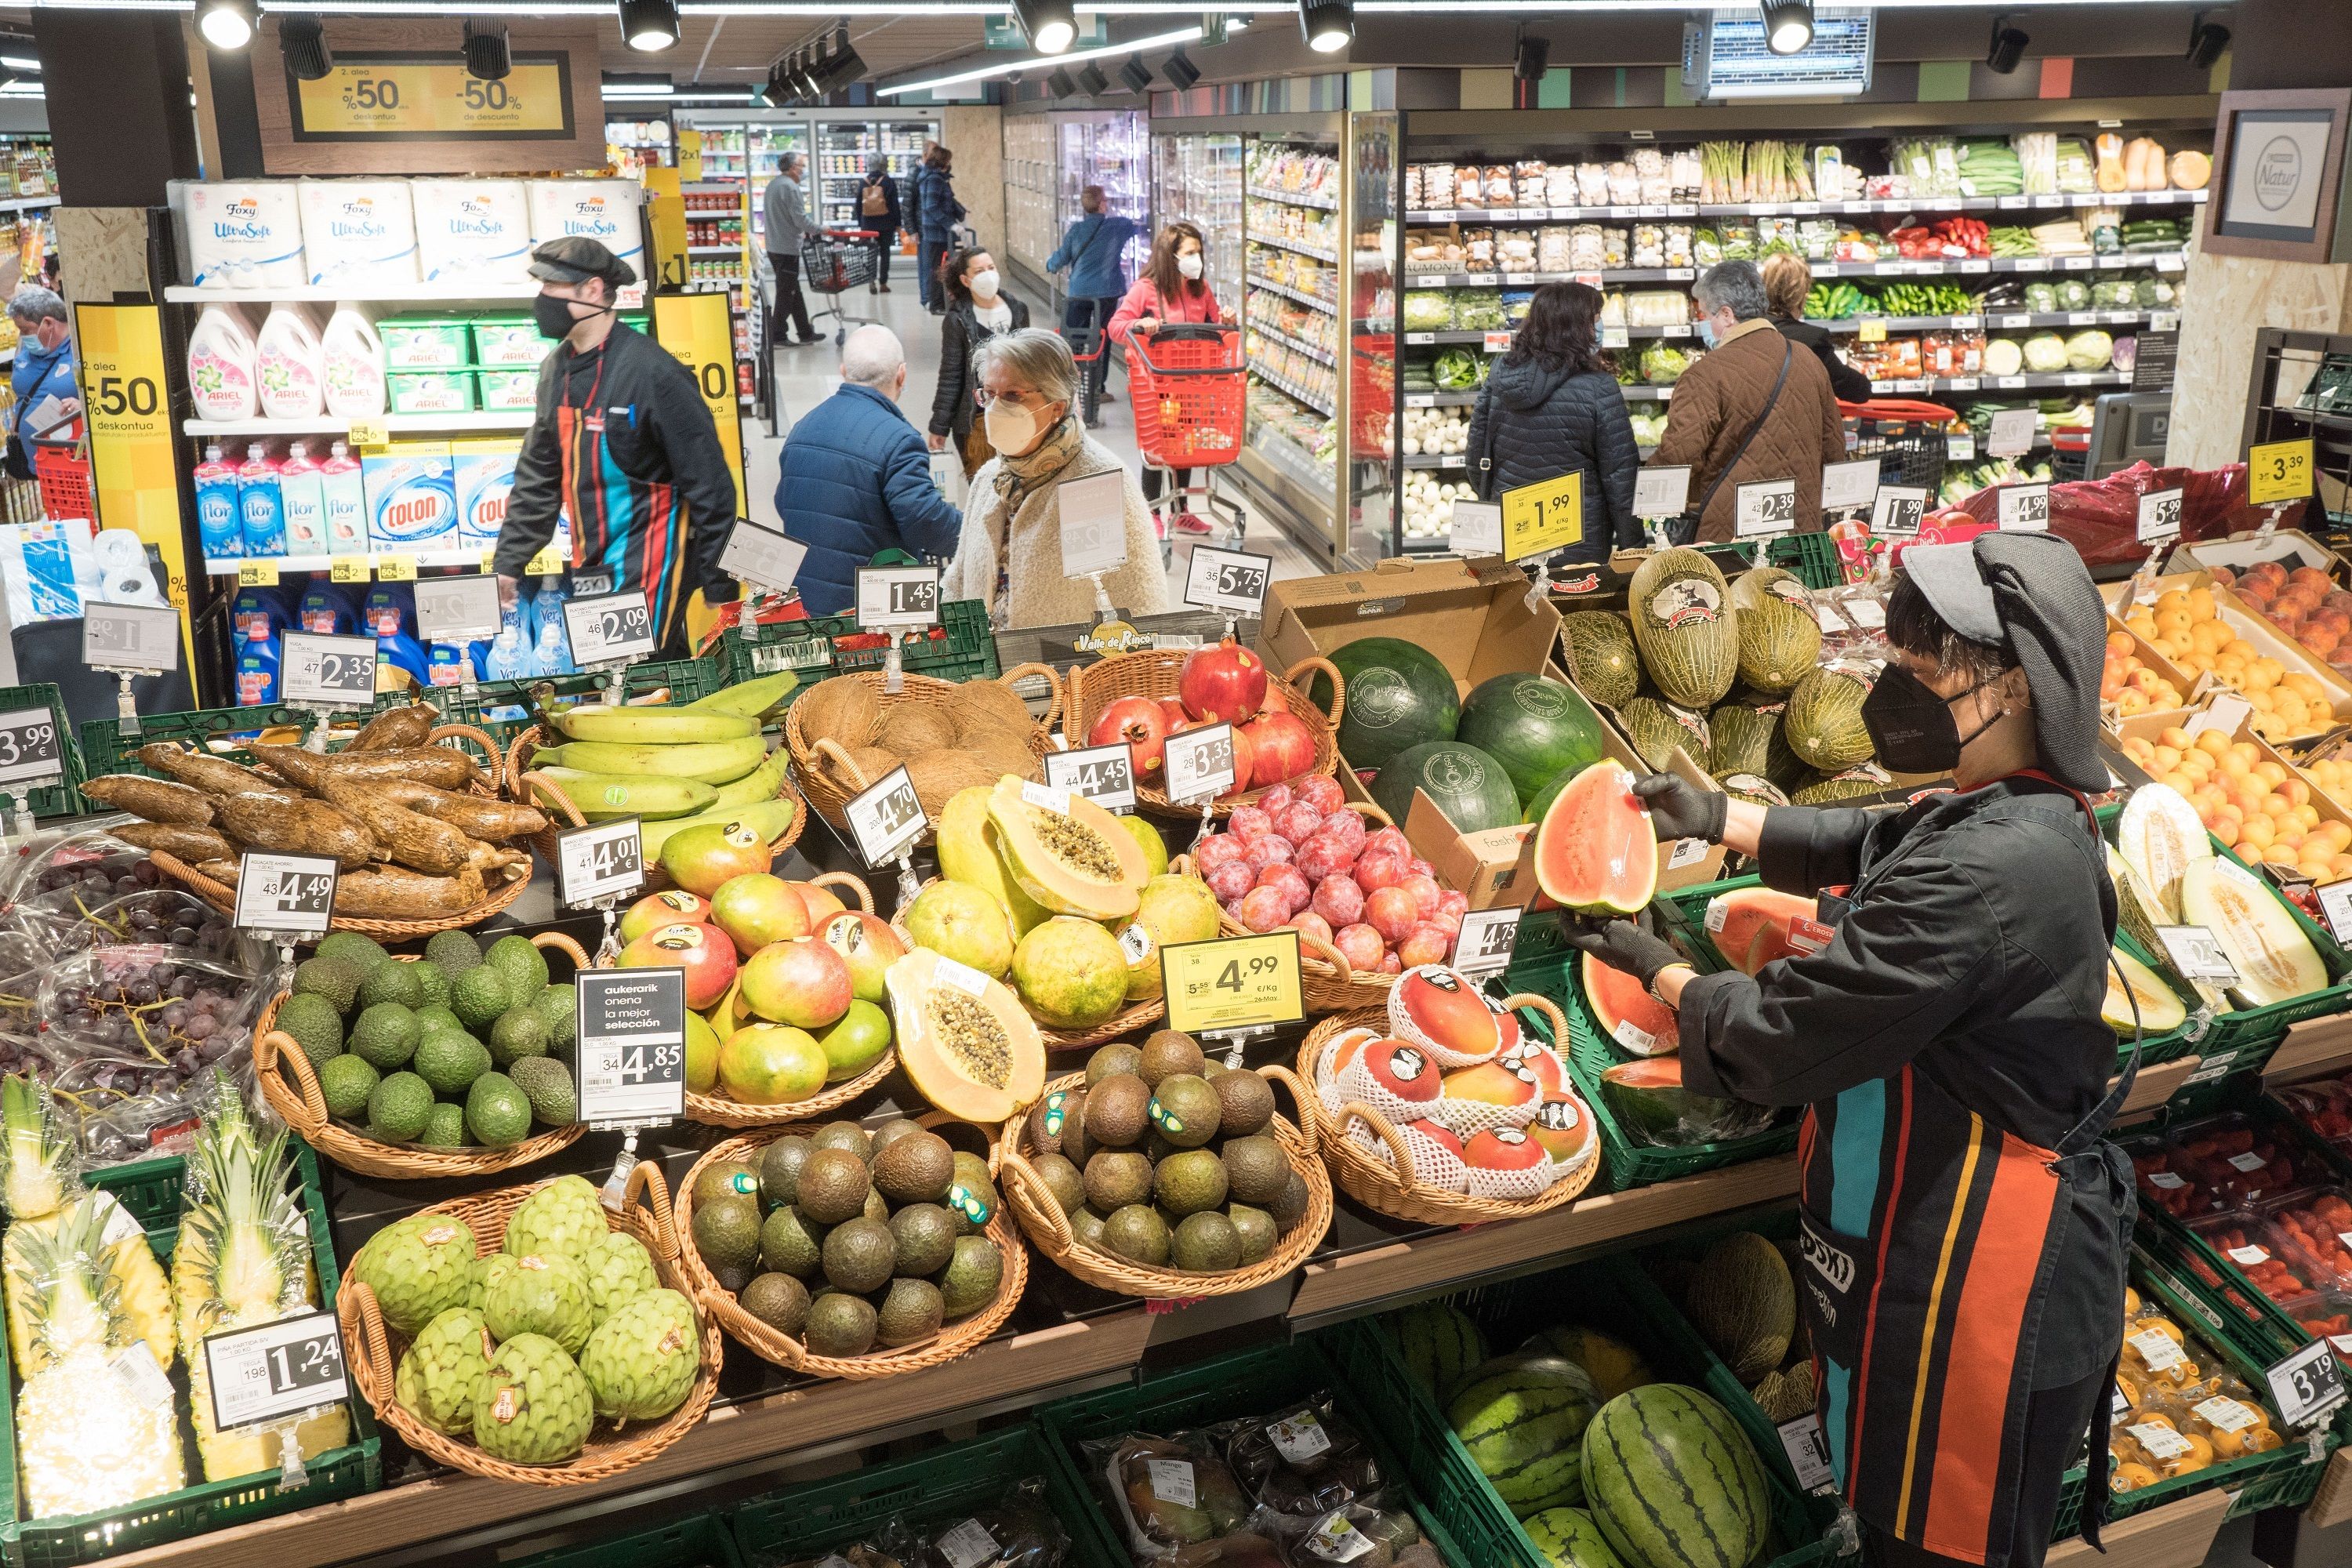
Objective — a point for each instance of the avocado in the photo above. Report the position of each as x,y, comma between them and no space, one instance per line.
450,1062
1185,1111
910,1313
972,1199
345,1084
1190,1182
454,952
445,1127
877,1208
727,1179
860,1255
1116,1109
840,1325
547,1084
1113,1060
1117,1177
1169,1051
1291,1206
385,1036
314,1025
1061,1179
727,1233
1085,1228
926,1239
557,1010
1205,1242
890,1131
1257,1169
973,1276
432,983
834,1186
478,996
1254,1231
846,1135
1047,1117
430,1017
778,1300
1246,1103
779,1168
329,978
363,954
1137,1233
519,1033
523,964
391,983
790,1242
497,1113
914,1168
397,1108
1075,1143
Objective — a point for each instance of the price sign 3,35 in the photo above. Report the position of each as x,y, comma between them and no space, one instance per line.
1199,763
888,818
1230,580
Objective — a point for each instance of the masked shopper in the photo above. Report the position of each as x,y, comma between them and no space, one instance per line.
1964,1226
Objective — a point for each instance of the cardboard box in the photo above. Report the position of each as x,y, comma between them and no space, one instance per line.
2246,624
2149,726
2241,551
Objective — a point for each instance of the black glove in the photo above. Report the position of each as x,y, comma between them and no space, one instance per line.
1679,809
1622,944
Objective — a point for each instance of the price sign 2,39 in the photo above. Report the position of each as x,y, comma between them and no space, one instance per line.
1766,509
609,628
284,895
888,818
1233,983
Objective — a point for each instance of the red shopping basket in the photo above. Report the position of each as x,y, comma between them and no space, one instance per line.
1189,392
63,469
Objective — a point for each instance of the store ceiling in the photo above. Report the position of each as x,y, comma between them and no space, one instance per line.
735,50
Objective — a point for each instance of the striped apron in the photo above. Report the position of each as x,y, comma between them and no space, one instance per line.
631,528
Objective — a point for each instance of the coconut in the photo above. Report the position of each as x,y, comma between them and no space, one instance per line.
908,728
842,709
985,707
939,773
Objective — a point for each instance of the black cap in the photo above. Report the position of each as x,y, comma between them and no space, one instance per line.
576,259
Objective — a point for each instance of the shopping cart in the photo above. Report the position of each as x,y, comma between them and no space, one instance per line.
1191,394
61,467
832,262
1087,346
1908,437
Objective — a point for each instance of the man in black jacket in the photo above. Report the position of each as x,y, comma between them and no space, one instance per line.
623,445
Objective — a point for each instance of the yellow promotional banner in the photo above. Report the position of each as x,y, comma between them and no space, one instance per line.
2278,470
1233,983
689,157
132,451
433,95
667,208
1540,518
699,330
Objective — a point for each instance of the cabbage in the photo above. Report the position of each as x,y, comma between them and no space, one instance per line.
1456,370
1428,311
1662,364
2088,349
2002,356
2045,353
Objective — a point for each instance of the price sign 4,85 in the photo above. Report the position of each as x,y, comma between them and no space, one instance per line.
631,1025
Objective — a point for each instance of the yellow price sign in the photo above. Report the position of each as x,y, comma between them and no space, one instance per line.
2278,470
396,568
1233,983
1540,518
257,573
434,94
1873,329
546,564
348,569
370,433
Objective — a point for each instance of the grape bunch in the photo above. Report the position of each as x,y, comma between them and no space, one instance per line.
149,1025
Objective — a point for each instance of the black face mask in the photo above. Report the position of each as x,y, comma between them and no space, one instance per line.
554,315
1912,728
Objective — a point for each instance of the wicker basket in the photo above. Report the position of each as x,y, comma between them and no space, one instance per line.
657,879
1133,1016
952,1340
1328,982
831,781
374,1351
1048,1227
276,1057
1155,674
1391,1189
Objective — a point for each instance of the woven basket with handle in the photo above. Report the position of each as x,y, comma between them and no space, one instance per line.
831,780
768,1343
291,1085
1155,674
1048,1227
529,787
1391,1189
375,1350
1328,982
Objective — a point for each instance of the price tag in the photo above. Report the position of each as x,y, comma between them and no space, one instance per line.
257,573
601,860
2225,713
2335,907
275,1370
1896,511
2278,470
897,598
1337,1541
761,555
280,895
2159,516
2307,1384
1299,1438
1873,329
1766,510
1849,487
631,1025
1477,528
2012,433
1487,939
888,818
1414,339
396,568
2161,1442
316,670
1230,580
608,627
1104,774
2025,508
1171,1481
1808,1448
2196,955
458,609
348,568
1499,342
1540,518
2249,1257
2077,263
1199,763
547,563
1658,492
369,433
1617,337
1094,523
2158,1351
968,1545
1961,445
130,637
2249,1162
1233,983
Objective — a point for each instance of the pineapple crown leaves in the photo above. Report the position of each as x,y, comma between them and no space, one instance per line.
38,1153
75,1301
243,1230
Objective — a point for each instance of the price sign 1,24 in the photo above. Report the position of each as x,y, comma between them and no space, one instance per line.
1233,983
276,1369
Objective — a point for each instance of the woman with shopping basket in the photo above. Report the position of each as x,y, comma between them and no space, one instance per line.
1173,289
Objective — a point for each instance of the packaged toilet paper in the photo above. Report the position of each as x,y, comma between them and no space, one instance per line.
605,210
238,234
473,231
360,233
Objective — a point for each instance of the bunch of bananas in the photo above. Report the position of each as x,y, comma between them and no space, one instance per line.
673,766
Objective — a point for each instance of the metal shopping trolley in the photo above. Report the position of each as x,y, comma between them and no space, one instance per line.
833,261
1191,394
1088,344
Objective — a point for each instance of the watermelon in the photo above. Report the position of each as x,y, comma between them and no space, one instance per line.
1638,1022
1656,727
1537,728
1542,800
1398,697
1613,1366
1743,1303
1570,1537
1823,722
1650,1103
1598,648
1465,784
1682,624
1779,641
1672,1484
1597,851
1750,925
2159,1011
1439,1343
1520,1418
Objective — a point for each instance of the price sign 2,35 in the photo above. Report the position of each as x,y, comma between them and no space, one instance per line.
1230,580
888,818
1104,774
1233,983
323,671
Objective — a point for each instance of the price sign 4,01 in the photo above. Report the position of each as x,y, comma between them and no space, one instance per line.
601,860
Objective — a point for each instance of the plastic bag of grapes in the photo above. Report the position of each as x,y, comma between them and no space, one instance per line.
131,1027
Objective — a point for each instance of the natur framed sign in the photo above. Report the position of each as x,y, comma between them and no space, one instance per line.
2278,175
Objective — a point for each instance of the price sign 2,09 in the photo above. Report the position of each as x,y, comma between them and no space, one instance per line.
1233,983
608,627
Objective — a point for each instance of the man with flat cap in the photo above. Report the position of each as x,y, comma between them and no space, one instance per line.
1961,1226
623,445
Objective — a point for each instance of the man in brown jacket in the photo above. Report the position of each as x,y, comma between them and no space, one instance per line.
1719,401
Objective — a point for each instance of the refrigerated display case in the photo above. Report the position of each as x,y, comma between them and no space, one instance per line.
842,148
1198,180
1049,161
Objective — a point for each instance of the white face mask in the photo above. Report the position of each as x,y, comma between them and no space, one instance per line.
1189,264
984,284
1012,429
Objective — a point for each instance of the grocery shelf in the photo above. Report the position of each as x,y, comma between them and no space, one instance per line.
1287,292
2113,261
1896,205
184,294
495,419
1440,460
1312,350
1988,321
714,250
1279,243
1292,390
1438,400
2048,381
1293,199
230,566
27,203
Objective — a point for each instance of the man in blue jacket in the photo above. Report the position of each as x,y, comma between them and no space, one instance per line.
855,479
936,213
1095,250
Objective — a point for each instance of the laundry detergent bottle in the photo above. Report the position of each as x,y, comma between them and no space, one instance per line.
261,503
345,498
302,497
288,366
351,360
221,373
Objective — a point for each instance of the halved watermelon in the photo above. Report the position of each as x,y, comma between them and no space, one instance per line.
1750,925
1627,1013
2160,1012
1648,1100
1597,851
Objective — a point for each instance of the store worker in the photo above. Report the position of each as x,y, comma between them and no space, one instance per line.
623,444
853,480
1755,407
1964,1225
44,369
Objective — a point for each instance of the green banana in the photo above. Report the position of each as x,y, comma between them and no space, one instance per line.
758,699
770,817
712,761
652,726
600,796
762,783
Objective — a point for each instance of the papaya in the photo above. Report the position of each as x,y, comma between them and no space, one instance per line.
968,854
964,1041
1066,852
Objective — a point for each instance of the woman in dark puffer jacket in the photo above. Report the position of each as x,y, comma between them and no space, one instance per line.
1552,405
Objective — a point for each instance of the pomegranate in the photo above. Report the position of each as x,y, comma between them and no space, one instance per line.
1143,725
1245,761
1282,748
1226,682
1178,720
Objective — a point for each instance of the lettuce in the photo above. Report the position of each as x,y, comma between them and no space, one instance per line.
2045,353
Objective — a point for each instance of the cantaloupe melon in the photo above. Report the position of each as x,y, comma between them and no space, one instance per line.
2160,1012
2274,959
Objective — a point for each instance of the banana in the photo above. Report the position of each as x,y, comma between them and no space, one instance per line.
757,699
654,726
600,796
770,817
762,783
711,761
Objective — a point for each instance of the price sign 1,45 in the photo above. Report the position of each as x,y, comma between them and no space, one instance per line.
888,818
601,860
1230,580
1104,774
282,895
276,1369
897,598
609,628
1233,983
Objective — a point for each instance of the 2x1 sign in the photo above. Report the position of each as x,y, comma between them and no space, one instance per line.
761,557
1233,983
630,1025
130,637
601,860
284,895
897,598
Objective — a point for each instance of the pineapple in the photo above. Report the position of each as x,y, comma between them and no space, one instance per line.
243,1259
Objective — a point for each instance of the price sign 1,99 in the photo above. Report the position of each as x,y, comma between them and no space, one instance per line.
276,1369
897,598
130,637
1104,774
321,671
888,818
1233,983
1230,580
609,628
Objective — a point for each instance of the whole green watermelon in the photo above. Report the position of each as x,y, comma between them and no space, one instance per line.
1464,782
1535,728
1398,697
1672,1482
1522,1418
1439,1344
1568,1538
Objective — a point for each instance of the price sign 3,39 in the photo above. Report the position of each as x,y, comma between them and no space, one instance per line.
888,818
1233,983
284,895
609,628
1104,774
631,1026
1230,580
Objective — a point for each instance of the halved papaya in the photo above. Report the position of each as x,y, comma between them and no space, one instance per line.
1067,853
1627,1013
1750,925
1597,851
965,1041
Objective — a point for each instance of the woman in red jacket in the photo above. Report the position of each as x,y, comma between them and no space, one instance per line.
1173,289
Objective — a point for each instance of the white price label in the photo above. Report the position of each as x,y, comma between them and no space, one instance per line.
2165,1180
456,609
888,818
1808,1448
897,598
2159,516
2158,1351
1337,1541
2226,1414
1094,523
276,1369
1230,580
1960,447
2077,263
1686,852
2307,1384
609,628
2161,1442
2335,907
1617,337
1487,939
1766,510
2249,1162
1898,510
279,895
601,860
631,1025
1477,528
1104,774
2012,432
1299,1438
761,557
130,637
142,1380
1199,763
968,1545
1849,487
2248,1256
1171,1481
2225,713
1658,492
2025,508
2197,954
120,1226
319,671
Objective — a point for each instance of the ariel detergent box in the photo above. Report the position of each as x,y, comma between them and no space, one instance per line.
412,496
484,477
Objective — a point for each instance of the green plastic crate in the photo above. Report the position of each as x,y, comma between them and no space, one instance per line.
697,1540
106,749
1406,1440
1812,557
60,799
807,1521
150,1190
963,650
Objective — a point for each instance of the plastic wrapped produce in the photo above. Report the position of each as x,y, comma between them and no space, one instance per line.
1428,311
1560,185
1616,246
1586,252
1649,246
1499,191
1555,248
1167,1495
1528,182
1019,1532
1303,1460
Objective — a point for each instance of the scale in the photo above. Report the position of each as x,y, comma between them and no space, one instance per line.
597,867
609,631
459,610
326,675
1234,989
127,641
895,600
764,562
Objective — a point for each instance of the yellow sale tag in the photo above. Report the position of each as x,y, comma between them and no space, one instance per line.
396,568
545,563
257,573
348,569
1233,983
1540,518
1873,330
369,433
2278,470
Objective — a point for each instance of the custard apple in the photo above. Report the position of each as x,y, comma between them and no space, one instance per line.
416,1267
642,1363
436,1382
564,1216
619,1270
540,1295
531,1404
489,1270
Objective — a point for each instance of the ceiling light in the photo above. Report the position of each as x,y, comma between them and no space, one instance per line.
649,25
638,87
19,62
1135,74
1010,69
1788,26
805,83
303,41
226,23
1531,58
2007,46
487,55
1051,25
1329,26
1091,77
1181,72
2207,40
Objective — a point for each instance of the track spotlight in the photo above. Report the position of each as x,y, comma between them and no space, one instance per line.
848,66
1135,74
775,92
2007,46
303,39
1531,58
1060,85
226,23
1327,25
486,54
2207,40
1788,26
1181,72
1051,25
649,25
1092,82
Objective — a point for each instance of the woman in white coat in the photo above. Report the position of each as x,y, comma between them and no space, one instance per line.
1011,552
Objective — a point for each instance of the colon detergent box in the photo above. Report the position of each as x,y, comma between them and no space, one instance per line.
412,496
485,477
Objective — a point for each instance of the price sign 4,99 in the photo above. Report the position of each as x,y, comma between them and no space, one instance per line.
1233,983
2024,507
609,628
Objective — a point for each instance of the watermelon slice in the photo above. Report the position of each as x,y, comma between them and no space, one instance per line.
1648,1100
1750,925
1597,851
1638,1022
